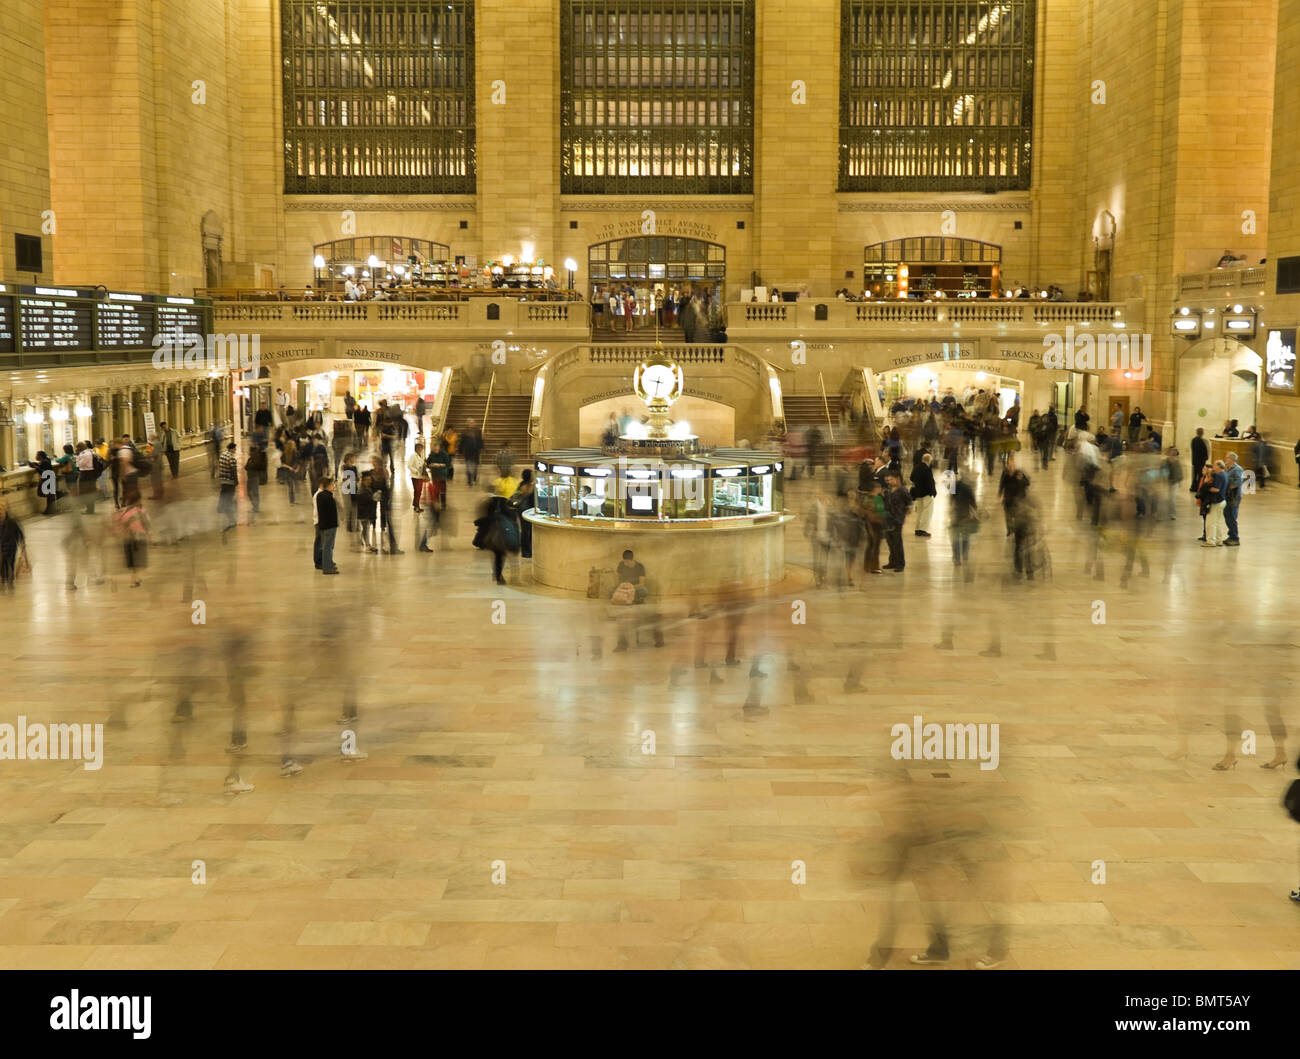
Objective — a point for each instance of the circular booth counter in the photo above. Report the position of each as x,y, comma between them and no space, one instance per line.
697,522
680,558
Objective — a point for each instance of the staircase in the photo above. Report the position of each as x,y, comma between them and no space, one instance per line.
507,420
806,410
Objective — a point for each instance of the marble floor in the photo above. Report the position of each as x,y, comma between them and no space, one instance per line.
509,813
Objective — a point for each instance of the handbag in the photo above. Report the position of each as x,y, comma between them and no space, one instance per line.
624,595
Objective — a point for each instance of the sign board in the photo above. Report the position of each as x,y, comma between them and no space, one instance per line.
150,426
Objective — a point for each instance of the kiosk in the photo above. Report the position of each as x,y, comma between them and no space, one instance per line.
696,519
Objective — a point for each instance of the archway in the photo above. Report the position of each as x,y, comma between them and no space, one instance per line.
960,268
381,259
1218,380
654,266
712,421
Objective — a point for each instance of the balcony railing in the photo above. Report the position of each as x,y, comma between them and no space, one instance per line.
813,315
503,314
1253,279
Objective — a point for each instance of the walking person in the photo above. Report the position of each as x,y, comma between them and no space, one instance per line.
215,437
325,515
817,528
497,533
169,443
12,542
255,476
505,460
873,507
471,447
420,409
228,480
439,471
1173,469
367,511
133,527
388,442
525,499
923,493
384,499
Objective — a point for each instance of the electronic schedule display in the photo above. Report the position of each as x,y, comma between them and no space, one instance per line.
124,325
50,323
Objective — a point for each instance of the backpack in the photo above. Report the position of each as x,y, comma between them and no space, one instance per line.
99,464
1291,800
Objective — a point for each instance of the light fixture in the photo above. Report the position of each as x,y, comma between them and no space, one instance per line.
1186,323
528,250
372,261
1236,308
687,472
570,265
765,469
1184,311
508,260
319,261
33,418
1128,375
729,472
84,412
559,468
349,271
59,414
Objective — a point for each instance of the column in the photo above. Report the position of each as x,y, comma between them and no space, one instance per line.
203,405
7,438
102,418
176,407
121,412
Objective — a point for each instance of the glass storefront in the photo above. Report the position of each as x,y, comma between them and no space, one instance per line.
583,484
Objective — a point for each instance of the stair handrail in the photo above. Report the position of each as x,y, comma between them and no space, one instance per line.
442,404
488,406
826,405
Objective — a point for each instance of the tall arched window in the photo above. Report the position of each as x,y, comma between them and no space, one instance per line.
936,95
657,96
378,96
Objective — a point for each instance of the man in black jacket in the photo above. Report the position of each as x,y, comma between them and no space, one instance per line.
326,517
923,493
1200,456
896,504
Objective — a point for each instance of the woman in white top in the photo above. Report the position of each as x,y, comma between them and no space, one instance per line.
419,473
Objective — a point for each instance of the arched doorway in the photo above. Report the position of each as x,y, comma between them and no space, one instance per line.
384,259
1218,380
655,267
925,265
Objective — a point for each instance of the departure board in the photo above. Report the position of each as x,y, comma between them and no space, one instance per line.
124,325
187,319
54,323
6,324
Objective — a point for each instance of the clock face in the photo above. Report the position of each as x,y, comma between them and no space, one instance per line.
658,380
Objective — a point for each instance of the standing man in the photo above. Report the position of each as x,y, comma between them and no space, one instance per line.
923,493
471,446
170,444
1200,456
228,479
349,405
325,515
1117,422
420,408
1232,500
1135,421
896,504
